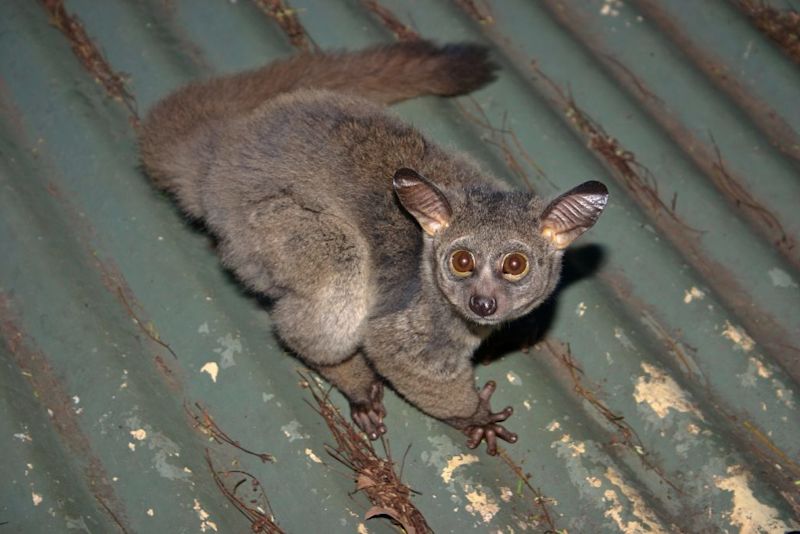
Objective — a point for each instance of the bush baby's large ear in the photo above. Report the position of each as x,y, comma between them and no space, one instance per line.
572,213
422,200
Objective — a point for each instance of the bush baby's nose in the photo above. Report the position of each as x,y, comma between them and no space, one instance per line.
483,306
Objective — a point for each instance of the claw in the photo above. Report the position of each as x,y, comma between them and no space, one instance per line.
368,416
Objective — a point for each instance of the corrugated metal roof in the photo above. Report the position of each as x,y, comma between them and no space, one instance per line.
660,394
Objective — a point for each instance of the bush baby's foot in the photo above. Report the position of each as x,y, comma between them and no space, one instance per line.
489,430
368,416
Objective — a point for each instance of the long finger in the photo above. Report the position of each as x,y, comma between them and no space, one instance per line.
505,434
502,416
491,442
475,437
487,391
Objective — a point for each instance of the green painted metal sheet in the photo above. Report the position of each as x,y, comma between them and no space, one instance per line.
656,393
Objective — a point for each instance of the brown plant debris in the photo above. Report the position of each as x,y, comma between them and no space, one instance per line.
400,30
634,176
481,14
255,506
506,141
538,498
289,23
743,199
147,328
780,25
89,55
374,476
206,424
627,435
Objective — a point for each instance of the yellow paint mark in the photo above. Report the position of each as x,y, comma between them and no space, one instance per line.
692,294
313,457
212,369
641,511
738,336
748,513
480,503
205,522
553,426
456,462
662,393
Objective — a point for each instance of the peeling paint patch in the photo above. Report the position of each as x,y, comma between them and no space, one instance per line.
513,378
313,457
747,512
739,337
151,512
506,494
36,498
647,518
454,463
362,529
580,311
692,294
203,329
553,426
611,8
229,346
781,278
205,522
24,437
482,504
292,430
139,434
662,393
212,369
755,368
165,449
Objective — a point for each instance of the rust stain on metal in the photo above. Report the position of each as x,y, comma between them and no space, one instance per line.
539,499
506,141
772,125
634,176
482,14
53,395
289,23
766,329
373,475
89,55
400,30
780,25
168,373
744,200
203,422
255,507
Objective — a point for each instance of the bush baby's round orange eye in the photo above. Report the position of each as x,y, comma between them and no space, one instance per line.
515,266
462,262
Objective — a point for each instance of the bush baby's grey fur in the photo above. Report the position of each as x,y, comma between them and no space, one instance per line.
385,256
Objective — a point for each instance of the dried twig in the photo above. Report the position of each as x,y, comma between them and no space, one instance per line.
402,31
288,21
374,476
207,425
149,332
780,25
538,498
256,509
89,55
